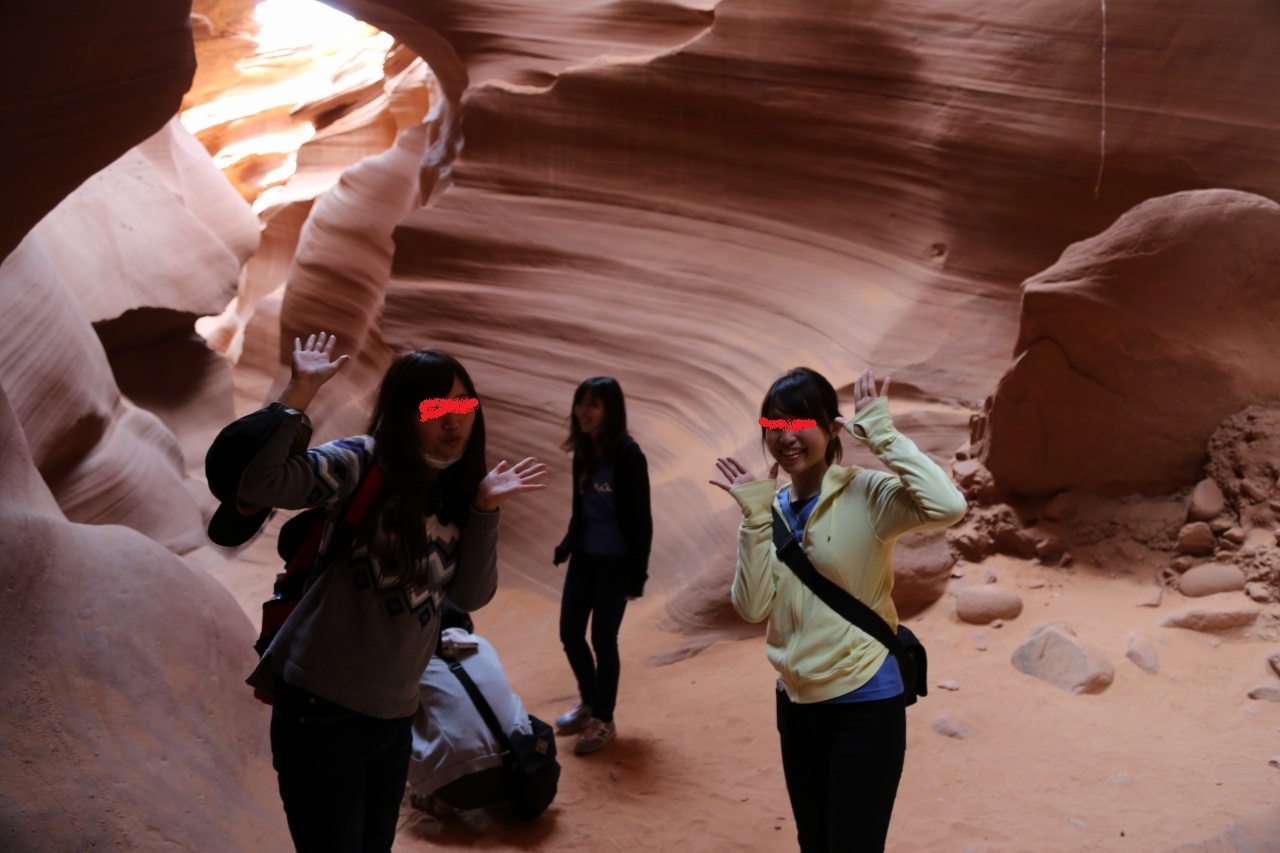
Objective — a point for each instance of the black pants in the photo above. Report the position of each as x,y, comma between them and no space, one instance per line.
842,764
594,586
341,773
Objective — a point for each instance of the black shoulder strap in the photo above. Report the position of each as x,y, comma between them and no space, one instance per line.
482,704
839,600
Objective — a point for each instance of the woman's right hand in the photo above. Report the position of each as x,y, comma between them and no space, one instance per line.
735,473
313,365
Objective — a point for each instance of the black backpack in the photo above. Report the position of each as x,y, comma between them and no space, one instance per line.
530,769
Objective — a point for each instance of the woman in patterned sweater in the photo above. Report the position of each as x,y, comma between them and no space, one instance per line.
344,667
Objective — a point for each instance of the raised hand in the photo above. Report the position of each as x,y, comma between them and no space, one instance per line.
735,473
864,394
864,389
313,363
505,482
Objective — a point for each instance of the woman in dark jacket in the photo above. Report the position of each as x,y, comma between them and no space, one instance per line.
609,539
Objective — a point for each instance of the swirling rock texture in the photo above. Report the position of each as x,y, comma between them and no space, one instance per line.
124,725
693,196
122,661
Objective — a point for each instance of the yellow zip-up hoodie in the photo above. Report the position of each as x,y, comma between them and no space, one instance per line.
849,539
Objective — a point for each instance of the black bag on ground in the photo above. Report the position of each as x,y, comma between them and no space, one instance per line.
904,645
531,771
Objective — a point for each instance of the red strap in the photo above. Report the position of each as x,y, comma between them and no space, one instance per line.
360,503
356,510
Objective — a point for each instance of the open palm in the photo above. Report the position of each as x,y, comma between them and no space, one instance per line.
505,482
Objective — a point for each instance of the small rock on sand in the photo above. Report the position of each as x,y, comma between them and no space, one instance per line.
1265,693
1196,539
948,727
1207,501
1054,653
1143,654
1199,619
1211,578
980,605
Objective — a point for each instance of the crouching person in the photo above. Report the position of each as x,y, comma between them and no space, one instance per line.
457,762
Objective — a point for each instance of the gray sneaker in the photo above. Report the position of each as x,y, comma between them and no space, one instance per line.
573,720
595,735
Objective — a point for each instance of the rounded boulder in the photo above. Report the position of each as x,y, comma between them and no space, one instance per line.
981,605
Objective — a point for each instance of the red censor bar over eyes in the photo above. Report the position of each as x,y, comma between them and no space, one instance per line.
439,406
793,425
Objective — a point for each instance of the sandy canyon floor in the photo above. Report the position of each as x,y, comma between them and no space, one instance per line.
1152,762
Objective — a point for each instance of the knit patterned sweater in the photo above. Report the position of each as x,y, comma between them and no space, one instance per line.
359,637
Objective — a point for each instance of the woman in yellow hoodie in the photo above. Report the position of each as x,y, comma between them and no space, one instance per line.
841,717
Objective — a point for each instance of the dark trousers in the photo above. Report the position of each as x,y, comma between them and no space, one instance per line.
341,773
596,587
842,764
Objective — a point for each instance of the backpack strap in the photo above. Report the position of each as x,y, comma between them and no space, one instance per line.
839,600
482,705
308,556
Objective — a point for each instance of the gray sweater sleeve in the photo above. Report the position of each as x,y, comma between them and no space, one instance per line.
323,474
476,578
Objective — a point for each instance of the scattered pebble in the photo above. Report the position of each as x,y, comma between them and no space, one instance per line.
1265,693
948,727
949,684
1143,654
997,623
1153,599
1275,761
980,642
989,576
1035,584
1259,592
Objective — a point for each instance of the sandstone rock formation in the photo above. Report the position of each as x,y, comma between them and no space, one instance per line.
93,260
921,568
120,78
123,679
1164,307
692,196
1242,461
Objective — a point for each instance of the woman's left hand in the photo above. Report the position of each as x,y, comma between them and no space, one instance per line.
864,394
504,482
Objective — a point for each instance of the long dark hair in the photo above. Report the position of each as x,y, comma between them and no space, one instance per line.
412,378
804,393
608,392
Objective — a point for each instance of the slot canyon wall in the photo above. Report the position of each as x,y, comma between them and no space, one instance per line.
691,196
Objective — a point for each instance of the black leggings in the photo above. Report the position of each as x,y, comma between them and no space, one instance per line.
842,764
594,586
